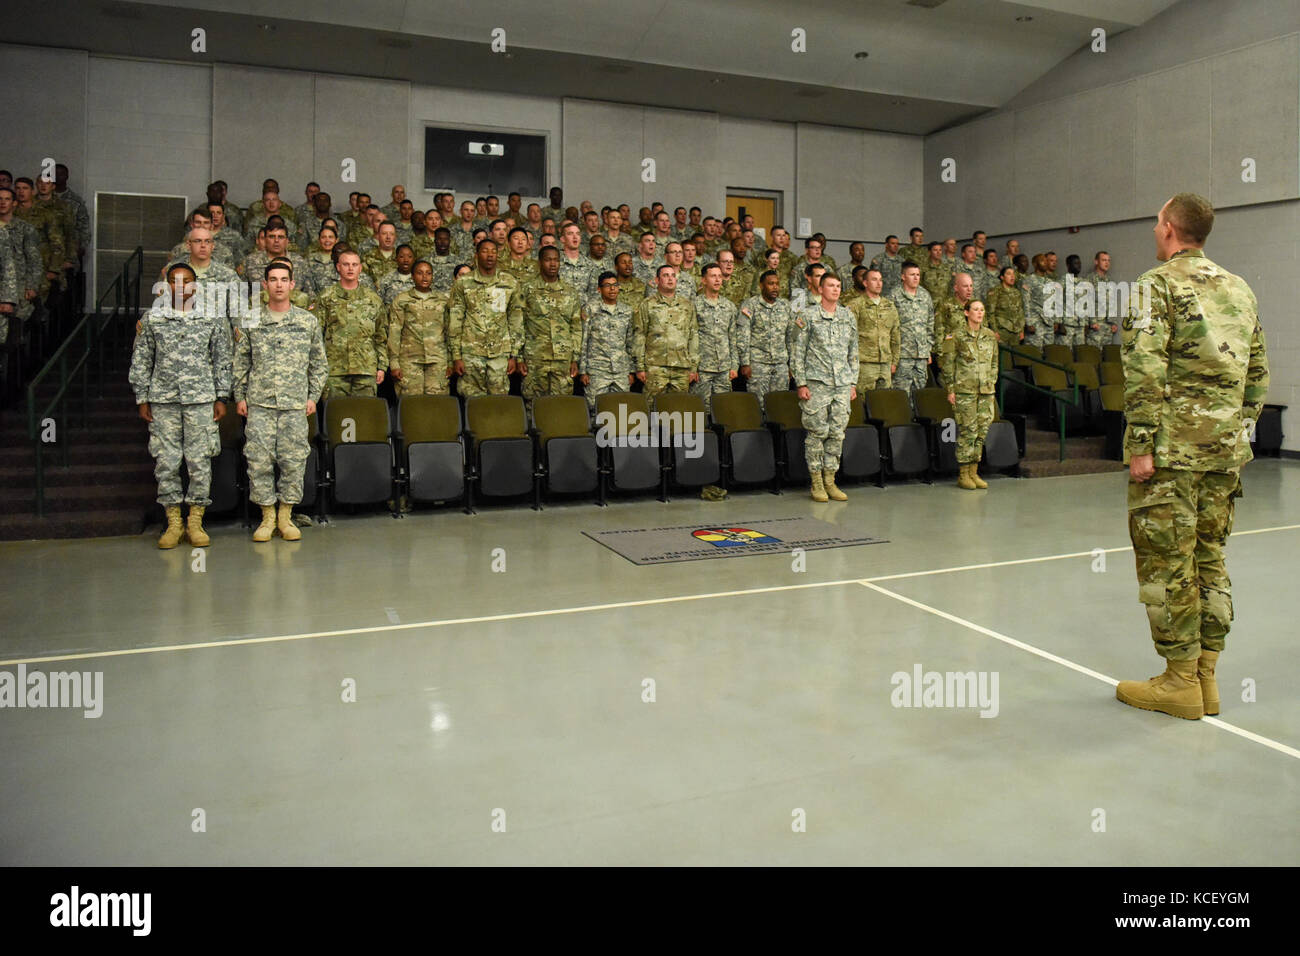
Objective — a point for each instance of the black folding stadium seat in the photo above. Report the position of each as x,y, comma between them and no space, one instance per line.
785,421
903,441
566,448
359,456
748,452
1112,405
430,448
502,450
227,467
860,457
688,467
1004,443
630,460
932,410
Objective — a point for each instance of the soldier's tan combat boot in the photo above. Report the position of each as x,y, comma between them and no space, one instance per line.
1176,692
267,527
818,487
974,475
194,527
171,535
963,481
1209,686
288,530
828,482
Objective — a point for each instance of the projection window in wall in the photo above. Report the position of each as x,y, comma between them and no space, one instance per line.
476,161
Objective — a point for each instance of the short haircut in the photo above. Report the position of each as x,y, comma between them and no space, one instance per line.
811,239
891,236
934,244
404,246
711,265
545,249
915,229
389,225
309,185
696,209
909,264
1099,254
277,264
485,242
768,272
442,229
871,269
493,224
514,230
1191,215
644,234
623,255
605,277
966,246
660,271
812,267
459,268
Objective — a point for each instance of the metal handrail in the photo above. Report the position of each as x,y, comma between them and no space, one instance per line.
89,335
1004,380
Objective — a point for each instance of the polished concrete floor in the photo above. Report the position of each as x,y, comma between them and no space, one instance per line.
515,697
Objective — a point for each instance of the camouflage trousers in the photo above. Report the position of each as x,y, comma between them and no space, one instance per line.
1070,335
183,432
825,416
1040,336
913,373
1101,337
603,383
422,378
663,378
346,386
765,378
547,377
873,375
275,436
1179,522
484,376
710,384
974,415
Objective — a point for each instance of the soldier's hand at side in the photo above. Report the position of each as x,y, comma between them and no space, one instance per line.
139,324
242,408
30,294
731,374
396,373
1141,467
853,393
631,377
458,367
746,371
804,394
521,367
6,307
929,360
693,377
145,413
640,377
512,366
218,411
586,380
952,398
311,407
893,369
379,376
573,370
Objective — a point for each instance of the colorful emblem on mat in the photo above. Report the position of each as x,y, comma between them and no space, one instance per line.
733,537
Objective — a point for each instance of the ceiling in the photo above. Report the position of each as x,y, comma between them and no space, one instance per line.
927,67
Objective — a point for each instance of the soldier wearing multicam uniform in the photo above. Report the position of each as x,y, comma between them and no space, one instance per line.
719,345
1006,309
180,372
970,375
608,342
667,339
824,360
280,371
355,326
879,339
890,264
11,282
552,330
916,331
1195,380
762,327
419,350
486,323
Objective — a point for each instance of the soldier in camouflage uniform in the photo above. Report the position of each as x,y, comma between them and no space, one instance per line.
382,260
555,210
399,280
950,314
81,211
970,376
916,331
1038,325
667,339
878,334
617,239
180,372
576,269
737,279
10,284
355,327
1195,380
311,220
762,327
916,250
271,206
64,213
48,228
971,266
519,264
320,259
773,262
857,258
824,360
646,262
631,290
936,274
277,246
890,264
443,260
1101,327
608,343
989,277
393,209
23,243
419,349
552,331
719,345
217,291
486,326
1006,309
280,370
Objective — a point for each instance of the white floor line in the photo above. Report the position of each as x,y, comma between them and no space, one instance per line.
1056,659
551,612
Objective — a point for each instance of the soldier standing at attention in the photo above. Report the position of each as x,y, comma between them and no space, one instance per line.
180,372
824,360
936,274
280,370
1102,326
1006,309
970,374
1195,379
761,329
631,290
418,351
719,354
552,331
667,339
1038,325
608,342
354,323
890,264
878,334
916,329
486,321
